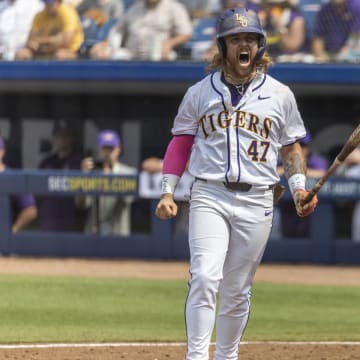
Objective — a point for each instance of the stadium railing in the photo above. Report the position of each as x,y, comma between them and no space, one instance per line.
136,77
162,242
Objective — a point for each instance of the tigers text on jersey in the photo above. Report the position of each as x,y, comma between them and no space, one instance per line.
238,143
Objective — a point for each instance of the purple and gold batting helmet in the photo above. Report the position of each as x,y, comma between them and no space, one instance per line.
239,20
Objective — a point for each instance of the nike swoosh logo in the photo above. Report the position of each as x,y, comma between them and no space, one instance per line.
267,213
263,97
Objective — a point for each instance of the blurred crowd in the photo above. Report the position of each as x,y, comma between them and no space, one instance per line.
296,30
96,214
114,215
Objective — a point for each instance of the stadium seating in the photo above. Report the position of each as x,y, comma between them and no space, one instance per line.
202,37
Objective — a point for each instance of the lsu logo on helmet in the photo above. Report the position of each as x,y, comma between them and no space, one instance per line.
242,20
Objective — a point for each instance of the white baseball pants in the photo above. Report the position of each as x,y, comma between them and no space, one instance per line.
228,231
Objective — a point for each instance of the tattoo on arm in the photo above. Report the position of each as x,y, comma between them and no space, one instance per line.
294,164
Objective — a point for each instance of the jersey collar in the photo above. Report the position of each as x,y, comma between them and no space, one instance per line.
224,90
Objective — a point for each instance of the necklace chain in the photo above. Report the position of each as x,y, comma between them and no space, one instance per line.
240,89
242,81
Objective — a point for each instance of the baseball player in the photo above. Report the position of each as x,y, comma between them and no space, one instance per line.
232,125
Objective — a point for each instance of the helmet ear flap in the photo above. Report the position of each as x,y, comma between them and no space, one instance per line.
222,47
262,48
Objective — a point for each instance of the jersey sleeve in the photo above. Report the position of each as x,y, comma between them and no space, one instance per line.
294,128
186,120
24,201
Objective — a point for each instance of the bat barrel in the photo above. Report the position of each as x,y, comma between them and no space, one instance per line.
350,145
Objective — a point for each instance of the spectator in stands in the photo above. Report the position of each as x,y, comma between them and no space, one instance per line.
97,17
201,8
149,30
59,213
152,165
107,215
337,23
285,29
56,33
101,9
351,50
150,177
291,224
150,180
23,206
16,17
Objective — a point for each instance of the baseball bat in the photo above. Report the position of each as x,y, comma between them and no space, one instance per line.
352,142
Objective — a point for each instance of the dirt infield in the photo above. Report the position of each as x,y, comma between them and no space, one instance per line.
270,351
301,274
275,273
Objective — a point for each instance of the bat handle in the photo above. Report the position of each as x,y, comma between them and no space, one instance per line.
310,195
321,182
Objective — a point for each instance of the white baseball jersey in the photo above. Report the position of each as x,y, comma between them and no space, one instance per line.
238,143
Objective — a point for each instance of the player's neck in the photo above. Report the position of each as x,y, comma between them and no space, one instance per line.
238,80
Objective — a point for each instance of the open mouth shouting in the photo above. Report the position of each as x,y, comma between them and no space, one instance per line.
244,58
241,50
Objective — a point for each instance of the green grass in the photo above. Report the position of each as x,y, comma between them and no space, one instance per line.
74,309
56,309
304,313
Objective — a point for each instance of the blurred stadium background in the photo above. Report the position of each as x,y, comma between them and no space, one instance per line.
139,99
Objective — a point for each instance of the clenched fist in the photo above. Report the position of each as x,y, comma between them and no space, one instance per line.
301,208
166,207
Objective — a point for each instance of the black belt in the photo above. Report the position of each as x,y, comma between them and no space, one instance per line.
239,186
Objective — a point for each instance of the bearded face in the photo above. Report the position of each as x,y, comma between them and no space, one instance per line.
241,52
